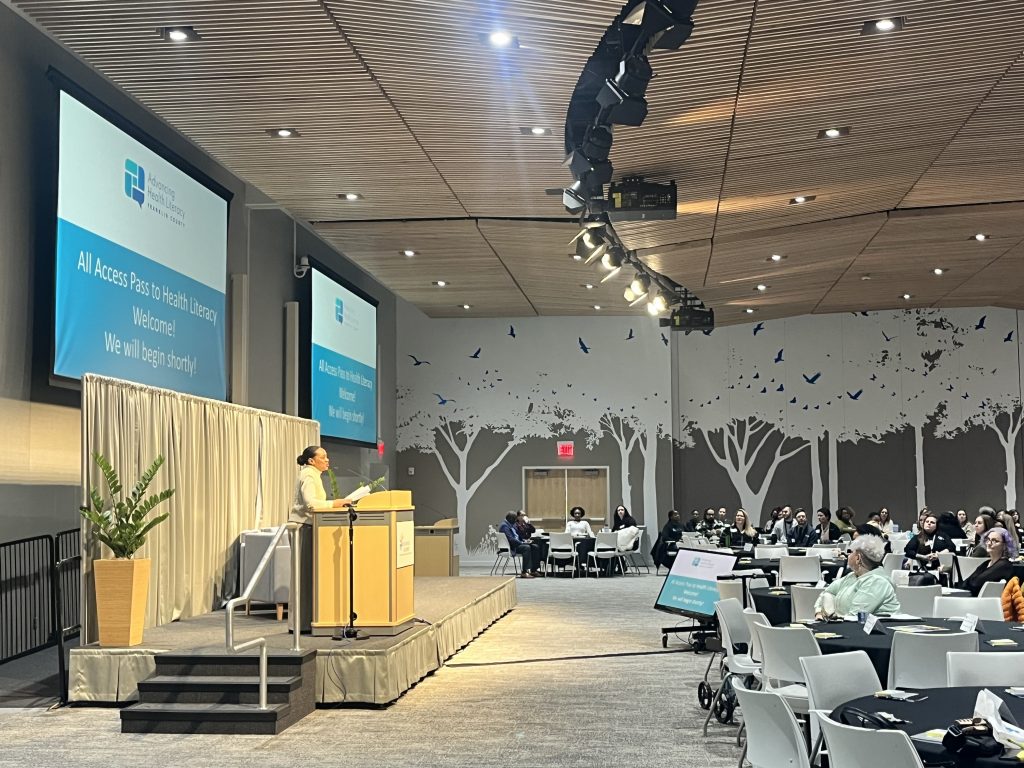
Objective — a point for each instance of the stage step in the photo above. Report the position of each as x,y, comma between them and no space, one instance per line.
210,691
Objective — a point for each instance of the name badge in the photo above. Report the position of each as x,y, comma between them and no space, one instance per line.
970,623
869,623
820,584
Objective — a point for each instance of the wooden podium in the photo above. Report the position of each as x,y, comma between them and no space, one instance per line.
383,546
435,549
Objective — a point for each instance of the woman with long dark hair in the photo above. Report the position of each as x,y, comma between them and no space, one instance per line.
923,549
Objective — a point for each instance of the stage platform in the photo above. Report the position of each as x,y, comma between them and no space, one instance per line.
375,670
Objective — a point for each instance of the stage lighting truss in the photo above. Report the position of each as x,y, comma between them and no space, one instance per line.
592,242
664,24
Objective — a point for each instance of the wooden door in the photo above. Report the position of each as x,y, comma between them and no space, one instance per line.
588,488
544,497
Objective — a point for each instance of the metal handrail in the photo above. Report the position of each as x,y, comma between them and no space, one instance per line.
293,605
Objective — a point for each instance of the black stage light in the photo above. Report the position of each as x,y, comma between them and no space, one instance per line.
573,198
622,99
592,243
597,142
665,24
593,174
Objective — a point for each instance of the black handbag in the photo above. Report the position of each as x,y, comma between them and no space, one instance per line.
922,579
860,718
971,737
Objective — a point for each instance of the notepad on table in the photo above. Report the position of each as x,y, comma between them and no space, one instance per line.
935,735
1001,642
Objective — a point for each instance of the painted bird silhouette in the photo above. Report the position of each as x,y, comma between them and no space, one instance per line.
764,390
512,331
781,388
778,356
812,379
476,355
416,361
887,338
583,347
1009,336
874,377
981,323
664,340
443,400
707,331
758,328
793,401
631,336
855,395
756,376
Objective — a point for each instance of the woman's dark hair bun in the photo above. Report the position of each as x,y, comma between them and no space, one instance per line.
304,457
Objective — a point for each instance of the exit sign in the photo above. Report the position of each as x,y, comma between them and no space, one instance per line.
566,449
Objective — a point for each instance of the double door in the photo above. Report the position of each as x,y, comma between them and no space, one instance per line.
550,492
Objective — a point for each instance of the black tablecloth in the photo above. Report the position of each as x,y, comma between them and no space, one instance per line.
828,567
942,707
778,608
878,647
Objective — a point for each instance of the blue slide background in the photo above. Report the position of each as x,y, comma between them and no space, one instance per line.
688,594
325,397
87,306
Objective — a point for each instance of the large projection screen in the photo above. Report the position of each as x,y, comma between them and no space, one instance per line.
343,356
141,262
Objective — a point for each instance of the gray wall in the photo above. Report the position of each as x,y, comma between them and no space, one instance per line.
28,126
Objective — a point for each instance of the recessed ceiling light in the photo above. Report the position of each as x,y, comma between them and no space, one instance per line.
938,271
409,253
865,277
833,133
178,34
982,236
440,283
801,199
535,131
597,306
352,196
749,310
501,38
589,286
761,287
467,306
907,297
283,133
883,26
775,257
577,257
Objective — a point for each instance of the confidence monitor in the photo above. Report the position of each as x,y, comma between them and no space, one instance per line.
342,341
691,586
141,258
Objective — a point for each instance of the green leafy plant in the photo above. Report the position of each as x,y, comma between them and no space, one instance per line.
120,519
373,485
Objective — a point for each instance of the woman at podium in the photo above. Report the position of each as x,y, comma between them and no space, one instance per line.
310,494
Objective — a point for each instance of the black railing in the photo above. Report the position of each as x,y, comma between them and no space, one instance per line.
40,593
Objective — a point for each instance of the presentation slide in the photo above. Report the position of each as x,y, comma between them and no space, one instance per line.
141,263
343,381
691,587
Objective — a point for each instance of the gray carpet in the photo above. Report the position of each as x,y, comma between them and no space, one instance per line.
574,676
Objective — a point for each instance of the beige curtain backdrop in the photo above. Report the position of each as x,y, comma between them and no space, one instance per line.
223,460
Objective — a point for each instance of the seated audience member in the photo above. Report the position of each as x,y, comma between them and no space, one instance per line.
741,531
920,520
1006,521
517,546
666,543
801,534
923,548
1000,548
526,531
826,532
780,532
690,526
577,526
885,521
844,521
965,525
1016,524
865,589
949,527
622,519
769,524
867,529
722,514
982,523
708,525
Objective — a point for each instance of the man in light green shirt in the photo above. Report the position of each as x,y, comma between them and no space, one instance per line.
865,589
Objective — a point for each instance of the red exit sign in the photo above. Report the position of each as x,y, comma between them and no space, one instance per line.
566,449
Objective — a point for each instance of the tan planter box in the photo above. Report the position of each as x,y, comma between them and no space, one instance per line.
122,589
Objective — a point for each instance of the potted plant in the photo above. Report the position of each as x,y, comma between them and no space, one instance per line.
121,521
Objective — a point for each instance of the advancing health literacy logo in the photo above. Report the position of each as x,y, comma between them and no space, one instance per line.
135,181
339,311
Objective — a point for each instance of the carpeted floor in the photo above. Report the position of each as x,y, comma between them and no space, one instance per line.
574,676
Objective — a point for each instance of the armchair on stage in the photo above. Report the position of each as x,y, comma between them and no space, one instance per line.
383,545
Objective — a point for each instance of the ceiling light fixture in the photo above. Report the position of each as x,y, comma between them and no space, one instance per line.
657,304
801,199
577,257
283,133
981,236
178,34
761,287
938,271
776,257
883,26
467,306
640,284
597,306
536,131
352,197
408,253
749,310
440,283
501,38
591,243
865,277
589,286
907,297
833,133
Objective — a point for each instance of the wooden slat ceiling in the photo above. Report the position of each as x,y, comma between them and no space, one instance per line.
403,103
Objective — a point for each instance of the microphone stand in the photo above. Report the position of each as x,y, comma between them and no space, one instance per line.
350,631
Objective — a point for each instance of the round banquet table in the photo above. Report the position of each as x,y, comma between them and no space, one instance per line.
941,707
828,567
774,602
878,647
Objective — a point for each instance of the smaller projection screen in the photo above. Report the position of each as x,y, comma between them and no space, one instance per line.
343,361
141,261
691,586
